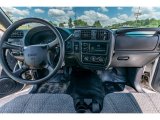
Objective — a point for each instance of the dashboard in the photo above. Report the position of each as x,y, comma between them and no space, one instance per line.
97,48
90,48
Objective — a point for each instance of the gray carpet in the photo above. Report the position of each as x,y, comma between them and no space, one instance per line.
8,86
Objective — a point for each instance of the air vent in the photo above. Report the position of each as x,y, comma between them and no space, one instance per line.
18,34
85,34
102,35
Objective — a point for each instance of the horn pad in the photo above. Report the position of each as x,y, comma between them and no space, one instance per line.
35,56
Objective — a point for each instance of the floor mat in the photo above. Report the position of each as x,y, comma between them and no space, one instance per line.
8,86
85,84
54,88
56,85
111,87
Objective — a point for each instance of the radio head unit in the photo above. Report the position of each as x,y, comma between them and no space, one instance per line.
94,47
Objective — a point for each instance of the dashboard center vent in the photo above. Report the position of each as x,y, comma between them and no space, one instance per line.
86,34
17,34
102,35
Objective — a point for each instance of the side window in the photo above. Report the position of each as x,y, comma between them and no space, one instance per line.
1,27
1,30
1,33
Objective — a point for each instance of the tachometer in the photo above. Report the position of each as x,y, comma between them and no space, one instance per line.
42,37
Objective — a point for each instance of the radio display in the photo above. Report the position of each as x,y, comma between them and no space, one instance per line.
98,48
94,47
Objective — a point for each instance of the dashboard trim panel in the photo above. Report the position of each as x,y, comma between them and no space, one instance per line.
118,53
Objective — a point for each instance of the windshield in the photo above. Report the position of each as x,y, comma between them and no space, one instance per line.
106,17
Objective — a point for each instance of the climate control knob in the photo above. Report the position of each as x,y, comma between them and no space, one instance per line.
101,59
93,58
86,58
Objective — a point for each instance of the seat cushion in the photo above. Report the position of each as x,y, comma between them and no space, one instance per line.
40,103
131,103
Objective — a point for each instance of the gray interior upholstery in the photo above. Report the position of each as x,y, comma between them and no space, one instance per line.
62,103
131,103
40,103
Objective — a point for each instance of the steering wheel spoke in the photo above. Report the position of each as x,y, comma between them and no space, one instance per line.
7,45
53,43
50,69
21,70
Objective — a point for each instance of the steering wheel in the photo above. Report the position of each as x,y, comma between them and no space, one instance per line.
35,56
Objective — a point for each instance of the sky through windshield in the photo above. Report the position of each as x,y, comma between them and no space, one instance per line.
89,16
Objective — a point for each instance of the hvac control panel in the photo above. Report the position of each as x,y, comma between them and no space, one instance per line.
90,46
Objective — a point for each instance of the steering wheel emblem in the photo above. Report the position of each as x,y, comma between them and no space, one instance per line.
35,56
32,55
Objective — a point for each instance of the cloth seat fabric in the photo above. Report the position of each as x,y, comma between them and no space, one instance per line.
40,103
131,103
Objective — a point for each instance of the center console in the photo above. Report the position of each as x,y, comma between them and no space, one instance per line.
92,48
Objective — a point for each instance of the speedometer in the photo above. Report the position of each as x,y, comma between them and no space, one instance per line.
43,37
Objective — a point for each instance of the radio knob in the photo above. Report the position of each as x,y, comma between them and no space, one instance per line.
85,44
86,58
100,59
93,59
